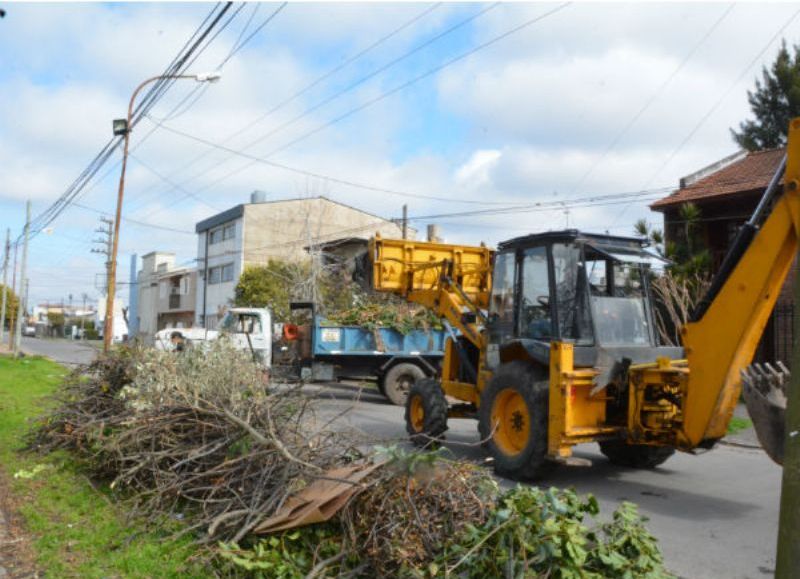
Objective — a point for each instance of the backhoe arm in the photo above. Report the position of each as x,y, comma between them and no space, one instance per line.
723,340
452,280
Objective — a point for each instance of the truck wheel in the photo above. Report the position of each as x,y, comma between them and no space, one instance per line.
512,420
397,382
635,455
426,412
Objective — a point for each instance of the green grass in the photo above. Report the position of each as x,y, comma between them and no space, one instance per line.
77,530
738,424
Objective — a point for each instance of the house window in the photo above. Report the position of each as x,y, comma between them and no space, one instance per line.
222,233
214,275
229,232
220,273
227,272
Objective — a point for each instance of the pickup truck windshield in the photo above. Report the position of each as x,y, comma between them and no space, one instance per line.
239,323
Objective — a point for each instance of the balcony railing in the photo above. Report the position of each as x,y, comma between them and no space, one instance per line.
174,301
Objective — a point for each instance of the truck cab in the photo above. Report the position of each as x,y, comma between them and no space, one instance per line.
250,329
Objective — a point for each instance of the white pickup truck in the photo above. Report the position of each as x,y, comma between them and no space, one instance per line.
248,329
324,351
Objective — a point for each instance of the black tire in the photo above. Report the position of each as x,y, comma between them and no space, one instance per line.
426,412
529,393
635,455
397,382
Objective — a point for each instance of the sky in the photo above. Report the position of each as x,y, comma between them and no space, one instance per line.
455,108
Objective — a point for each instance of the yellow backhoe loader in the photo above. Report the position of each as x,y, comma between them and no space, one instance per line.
552,340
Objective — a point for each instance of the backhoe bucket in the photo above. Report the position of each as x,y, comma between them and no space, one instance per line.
764,391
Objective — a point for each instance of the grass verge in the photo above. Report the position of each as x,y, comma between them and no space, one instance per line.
77,531
738,424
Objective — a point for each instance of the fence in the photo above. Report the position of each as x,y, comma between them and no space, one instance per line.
776,345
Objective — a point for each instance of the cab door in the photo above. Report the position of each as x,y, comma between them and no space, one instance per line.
535,319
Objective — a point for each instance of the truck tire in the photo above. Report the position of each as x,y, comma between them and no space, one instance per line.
635,455
397,382
426,412
512,421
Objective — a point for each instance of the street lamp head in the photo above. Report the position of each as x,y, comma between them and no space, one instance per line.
120,126
208,76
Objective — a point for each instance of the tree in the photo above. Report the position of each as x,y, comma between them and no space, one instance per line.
774,102
274,286
11,303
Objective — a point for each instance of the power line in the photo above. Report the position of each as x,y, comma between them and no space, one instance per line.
297,94
714,107
395,90
149,100
307,173
725,95
392,91
618,137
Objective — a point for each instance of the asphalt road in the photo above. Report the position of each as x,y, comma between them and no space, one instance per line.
715,515
67,352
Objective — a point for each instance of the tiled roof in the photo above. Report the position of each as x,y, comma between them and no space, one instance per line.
750,173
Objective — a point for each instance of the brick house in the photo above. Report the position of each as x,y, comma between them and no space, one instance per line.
727,193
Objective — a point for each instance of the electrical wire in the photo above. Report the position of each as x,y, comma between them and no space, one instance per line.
315,174
148,101
306,88
393,91
657,93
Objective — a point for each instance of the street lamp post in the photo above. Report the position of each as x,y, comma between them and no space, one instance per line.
123,127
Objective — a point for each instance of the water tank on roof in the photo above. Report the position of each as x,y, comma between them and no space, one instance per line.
258,197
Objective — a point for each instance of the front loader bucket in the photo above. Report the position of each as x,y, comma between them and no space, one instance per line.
764,391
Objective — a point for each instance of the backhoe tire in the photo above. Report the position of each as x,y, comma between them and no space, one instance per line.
635,455
397,382
512,421
426,412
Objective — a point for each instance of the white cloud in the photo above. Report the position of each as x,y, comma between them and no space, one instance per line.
533,113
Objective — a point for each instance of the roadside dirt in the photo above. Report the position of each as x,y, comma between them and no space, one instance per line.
16,550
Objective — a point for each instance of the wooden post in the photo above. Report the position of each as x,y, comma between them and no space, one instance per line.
22,274
6,255
788,558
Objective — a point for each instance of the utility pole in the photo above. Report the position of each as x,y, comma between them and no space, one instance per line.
123,127
107,236
5,285
83,315
405,221
106,243
22,274
12,318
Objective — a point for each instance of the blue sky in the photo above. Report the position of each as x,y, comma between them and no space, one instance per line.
528,119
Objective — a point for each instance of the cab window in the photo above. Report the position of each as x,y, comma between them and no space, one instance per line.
535,322
501,305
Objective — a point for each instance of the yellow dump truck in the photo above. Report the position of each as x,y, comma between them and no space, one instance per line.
552,339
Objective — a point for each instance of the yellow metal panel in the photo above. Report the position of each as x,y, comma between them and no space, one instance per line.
561,361
720,345
574,415
460,390
403,265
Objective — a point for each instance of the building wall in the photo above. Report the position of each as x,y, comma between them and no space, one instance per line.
219,291
283,229
156,280
274,230
148,290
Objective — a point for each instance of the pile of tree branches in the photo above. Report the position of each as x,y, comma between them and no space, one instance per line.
196,436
